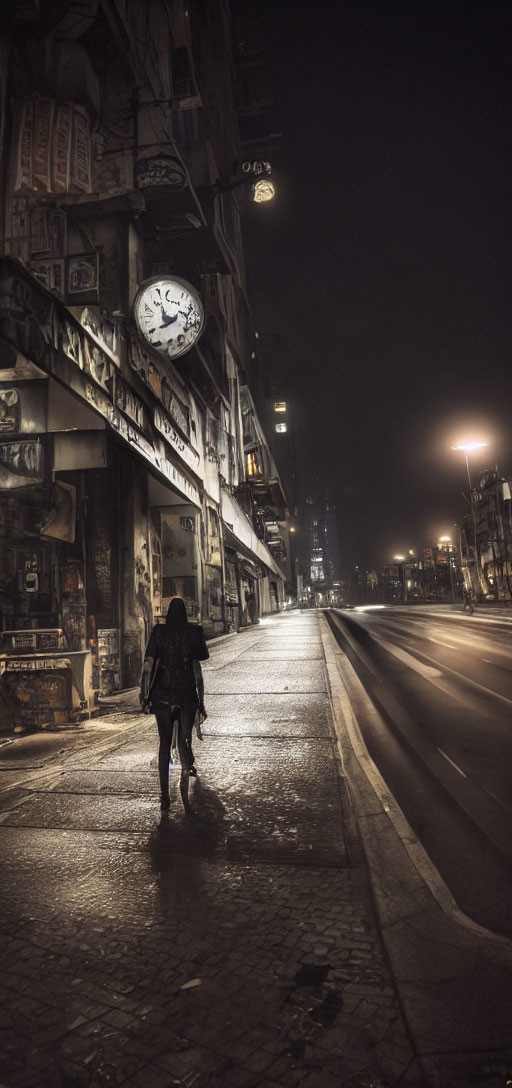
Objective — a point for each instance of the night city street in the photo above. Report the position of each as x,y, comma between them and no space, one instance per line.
297,970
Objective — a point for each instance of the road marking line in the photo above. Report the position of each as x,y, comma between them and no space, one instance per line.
440,750
408,659
439,642
414,663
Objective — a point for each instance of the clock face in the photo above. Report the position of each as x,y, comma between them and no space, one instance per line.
169,315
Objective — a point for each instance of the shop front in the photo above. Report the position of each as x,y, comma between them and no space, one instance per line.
252,574
85,550
43,684
46,677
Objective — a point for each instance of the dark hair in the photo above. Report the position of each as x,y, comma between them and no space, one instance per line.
176,613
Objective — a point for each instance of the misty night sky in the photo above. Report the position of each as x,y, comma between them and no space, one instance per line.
384,263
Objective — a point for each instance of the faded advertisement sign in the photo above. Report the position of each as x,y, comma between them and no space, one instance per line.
160,170
21,464
24,664
131,405
182,448
104,332
153,375
83,274
54,147
9,411
23,408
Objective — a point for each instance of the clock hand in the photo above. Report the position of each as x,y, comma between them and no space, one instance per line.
167,320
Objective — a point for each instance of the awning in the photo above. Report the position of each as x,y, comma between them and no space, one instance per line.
240,534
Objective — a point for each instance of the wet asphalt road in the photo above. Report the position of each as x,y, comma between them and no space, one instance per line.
234,948
444,683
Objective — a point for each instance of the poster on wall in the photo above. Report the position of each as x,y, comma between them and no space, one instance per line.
51,274
9,411
213,587
23,408
73,606
61,520
21,464
82,274
47,231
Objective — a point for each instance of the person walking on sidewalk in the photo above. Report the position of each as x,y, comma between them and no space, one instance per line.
172,687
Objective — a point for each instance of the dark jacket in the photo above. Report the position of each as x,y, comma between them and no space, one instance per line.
173,647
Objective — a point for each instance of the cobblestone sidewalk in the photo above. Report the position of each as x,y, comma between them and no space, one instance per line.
232,949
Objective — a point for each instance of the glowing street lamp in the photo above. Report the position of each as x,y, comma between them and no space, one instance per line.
256,175
469,447
263,190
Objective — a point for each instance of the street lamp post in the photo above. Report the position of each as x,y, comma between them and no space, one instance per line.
468,447
400,559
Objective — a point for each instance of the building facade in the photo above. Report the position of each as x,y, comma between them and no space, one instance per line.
132,461
324,586
486,539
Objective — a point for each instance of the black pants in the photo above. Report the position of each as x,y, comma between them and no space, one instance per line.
165,716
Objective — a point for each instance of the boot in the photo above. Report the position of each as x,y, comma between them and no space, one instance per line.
184,784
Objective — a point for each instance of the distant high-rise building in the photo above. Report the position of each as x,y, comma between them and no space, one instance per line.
324,555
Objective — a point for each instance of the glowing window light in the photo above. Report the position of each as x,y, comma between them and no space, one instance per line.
253,469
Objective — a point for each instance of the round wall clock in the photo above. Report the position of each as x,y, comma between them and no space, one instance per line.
169,315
